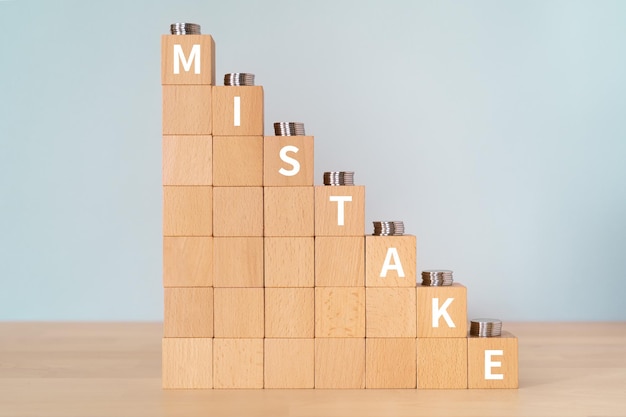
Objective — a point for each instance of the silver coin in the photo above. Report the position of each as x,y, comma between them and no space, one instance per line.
185,29
238,78
486,327
339,178
289,129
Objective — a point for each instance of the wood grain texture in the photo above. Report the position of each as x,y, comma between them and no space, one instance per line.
277,172
442,363
390,312
340,261
237,363
508,361
289,312
238,161
340,363
289,363
457,310
187,363
187,211
238,262
187,261
340,312
289,262
187,160
239,313
188,312
206,74
250,107
187,110
327,212
289,211
390,363
399,252
237,211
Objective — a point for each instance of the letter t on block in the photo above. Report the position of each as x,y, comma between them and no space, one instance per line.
339,210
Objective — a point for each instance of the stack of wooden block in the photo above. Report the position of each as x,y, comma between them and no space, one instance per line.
270,281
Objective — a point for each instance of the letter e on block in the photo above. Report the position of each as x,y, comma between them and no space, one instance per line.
492,361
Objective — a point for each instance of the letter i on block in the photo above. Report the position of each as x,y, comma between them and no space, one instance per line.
441,307
339,206
238,106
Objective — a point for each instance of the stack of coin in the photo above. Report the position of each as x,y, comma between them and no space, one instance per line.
485,327
289,129
239,78
437,278
339,178
389,228
184,29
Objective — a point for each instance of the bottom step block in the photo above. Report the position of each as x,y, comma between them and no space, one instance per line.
442,362
492,361
238,363
340,363
187,363
289,363
390,363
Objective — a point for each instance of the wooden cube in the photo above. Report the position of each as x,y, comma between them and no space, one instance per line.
188,312
238,262
288,161
238,111
187,59
187,211
238,161
289,363
442,362
187,160
187,261
390,312
340,363
340,312
187,363
339,261
289,211
492,361
187,110
239,313
339,210
238,211
289,261
289,312
390,363
237,363
442,311
390,261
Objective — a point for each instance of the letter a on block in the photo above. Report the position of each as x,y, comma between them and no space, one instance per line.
194,56
489,364
340,199
396,266
442,312
289,160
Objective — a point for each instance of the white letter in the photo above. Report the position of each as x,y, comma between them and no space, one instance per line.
296,165
397,265
237,103
340,199
180,56
442,312
492,364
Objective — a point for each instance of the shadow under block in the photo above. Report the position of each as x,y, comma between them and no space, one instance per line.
339,210
187,363
289,211
340,261
238,211
238,262
340,363
390,312
187,160
289,363
289,262
237,363
239,313
492,361
188,312
390,261
340,312
187,110
442,311
289,312
238,161
187,261
187,211
238,111
288,161
442,362
390,363
191,62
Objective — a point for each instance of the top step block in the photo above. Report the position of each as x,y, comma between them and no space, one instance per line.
187,59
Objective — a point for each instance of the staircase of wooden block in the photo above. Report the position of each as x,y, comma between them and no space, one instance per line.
270,281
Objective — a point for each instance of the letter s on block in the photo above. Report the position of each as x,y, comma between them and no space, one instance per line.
291,161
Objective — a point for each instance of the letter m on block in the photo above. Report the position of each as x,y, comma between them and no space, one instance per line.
194,57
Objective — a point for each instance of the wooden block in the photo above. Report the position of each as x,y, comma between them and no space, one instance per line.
187,110
390,363
187,59
289,261
289,211
340,312
390,261
187,261
238,111
238,211
188,312
339,210
442,362
238,161
390,312
442,311
289,312
238,363
187,211
340,363
340,261
492,361
238,313
238,262
187,160
187,363
288,161
289,363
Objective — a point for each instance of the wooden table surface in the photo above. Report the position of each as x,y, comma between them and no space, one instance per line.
113,369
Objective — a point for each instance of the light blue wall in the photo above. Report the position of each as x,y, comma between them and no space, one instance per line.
495,130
